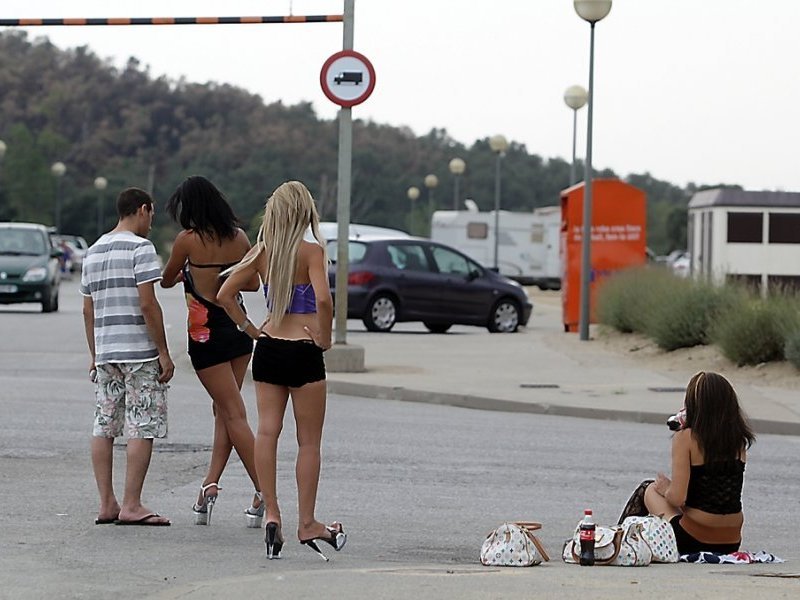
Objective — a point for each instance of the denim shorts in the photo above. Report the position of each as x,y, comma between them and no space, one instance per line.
130,400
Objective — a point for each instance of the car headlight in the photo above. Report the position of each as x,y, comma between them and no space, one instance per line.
35,274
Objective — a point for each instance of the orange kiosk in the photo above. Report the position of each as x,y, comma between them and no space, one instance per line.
618,239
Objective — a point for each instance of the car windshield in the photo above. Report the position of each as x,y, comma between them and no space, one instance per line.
355,251
22,241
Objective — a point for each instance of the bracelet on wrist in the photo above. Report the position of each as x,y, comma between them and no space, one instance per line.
243,327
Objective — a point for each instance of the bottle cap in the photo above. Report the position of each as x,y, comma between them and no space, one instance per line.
588,511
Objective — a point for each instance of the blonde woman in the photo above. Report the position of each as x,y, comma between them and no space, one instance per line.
287,360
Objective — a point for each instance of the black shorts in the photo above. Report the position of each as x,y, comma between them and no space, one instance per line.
291,363
688,545
223,345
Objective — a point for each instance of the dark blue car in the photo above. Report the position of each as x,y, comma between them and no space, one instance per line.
411,279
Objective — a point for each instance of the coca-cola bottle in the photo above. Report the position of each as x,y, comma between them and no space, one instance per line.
587,530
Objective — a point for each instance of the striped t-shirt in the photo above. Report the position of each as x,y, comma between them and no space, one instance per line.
113,267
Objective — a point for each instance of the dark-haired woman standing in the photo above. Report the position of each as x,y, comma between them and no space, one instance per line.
212,241
703,501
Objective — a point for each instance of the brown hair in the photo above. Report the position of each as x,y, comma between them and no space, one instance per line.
717,422
130,200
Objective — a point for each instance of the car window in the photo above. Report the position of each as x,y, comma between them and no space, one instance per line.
449,262
22,241
408,257
355,251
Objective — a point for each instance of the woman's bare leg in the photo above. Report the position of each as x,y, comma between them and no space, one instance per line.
223,387
220,453
657,505
308,403
271,400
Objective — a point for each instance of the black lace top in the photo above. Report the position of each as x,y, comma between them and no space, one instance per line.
716,490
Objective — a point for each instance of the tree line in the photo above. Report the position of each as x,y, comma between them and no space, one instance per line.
135,129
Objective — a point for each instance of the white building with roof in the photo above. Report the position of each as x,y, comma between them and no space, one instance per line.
753,237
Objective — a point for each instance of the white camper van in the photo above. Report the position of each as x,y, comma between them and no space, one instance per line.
528,248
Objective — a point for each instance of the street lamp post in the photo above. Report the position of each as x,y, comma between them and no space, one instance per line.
591,11
413,194
457,167
499,145
100,184
3,149
575,97
431,181
58,169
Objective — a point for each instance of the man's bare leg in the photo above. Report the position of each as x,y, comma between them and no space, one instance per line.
139,452
102,463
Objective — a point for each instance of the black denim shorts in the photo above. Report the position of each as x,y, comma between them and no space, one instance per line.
291,363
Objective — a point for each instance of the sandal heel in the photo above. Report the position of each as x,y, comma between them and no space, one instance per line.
273,540
254,516
202,512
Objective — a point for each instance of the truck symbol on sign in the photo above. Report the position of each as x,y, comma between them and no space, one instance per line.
354,77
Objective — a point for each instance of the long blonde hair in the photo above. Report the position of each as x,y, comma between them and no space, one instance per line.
289,211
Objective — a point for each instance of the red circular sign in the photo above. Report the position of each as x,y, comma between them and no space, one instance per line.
347,78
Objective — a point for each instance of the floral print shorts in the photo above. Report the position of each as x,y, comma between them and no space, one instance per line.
129,395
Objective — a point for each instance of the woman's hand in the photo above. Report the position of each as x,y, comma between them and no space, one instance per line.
662,484
317,338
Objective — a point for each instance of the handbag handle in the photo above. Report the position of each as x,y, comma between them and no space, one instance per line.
617,544
529,525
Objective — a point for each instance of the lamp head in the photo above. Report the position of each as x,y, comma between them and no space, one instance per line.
457,166
413,193
498,143
575,97
3,148
58,169
100,183
431,181
592,10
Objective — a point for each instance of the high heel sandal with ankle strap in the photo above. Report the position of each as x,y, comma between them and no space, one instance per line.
202,512
337,539
254,516
273,540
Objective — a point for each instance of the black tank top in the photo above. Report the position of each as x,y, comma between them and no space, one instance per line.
716,489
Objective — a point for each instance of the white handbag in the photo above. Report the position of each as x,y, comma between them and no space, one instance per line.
659,535
619,546
513,545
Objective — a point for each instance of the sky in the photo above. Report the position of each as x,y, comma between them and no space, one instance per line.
687,90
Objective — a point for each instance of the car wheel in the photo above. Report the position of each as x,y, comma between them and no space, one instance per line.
438,327
504,317
381,314
50,302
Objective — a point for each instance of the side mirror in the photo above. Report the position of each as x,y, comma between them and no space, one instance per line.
472,275
56,253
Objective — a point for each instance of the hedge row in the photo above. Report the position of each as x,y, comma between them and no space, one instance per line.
678,312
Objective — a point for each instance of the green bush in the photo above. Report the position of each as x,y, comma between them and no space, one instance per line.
791,349
754,330
625,300
684,314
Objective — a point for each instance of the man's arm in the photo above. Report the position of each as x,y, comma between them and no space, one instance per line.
88,324
154,320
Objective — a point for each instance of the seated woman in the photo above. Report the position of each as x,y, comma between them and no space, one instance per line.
703,501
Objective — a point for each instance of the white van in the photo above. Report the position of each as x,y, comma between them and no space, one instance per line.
528,245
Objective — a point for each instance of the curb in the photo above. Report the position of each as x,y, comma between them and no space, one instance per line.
380,392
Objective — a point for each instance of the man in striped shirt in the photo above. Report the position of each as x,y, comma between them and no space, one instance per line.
131,364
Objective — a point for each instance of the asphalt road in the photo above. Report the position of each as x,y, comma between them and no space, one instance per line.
417,487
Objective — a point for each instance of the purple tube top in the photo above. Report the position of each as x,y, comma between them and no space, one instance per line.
304,301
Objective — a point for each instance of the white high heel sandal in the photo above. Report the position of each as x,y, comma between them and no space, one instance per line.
254,516
202,512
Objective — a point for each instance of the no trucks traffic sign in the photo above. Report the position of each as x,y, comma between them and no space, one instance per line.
347,78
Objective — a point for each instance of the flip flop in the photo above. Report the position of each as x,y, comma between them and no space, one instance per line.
99,521
144,521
